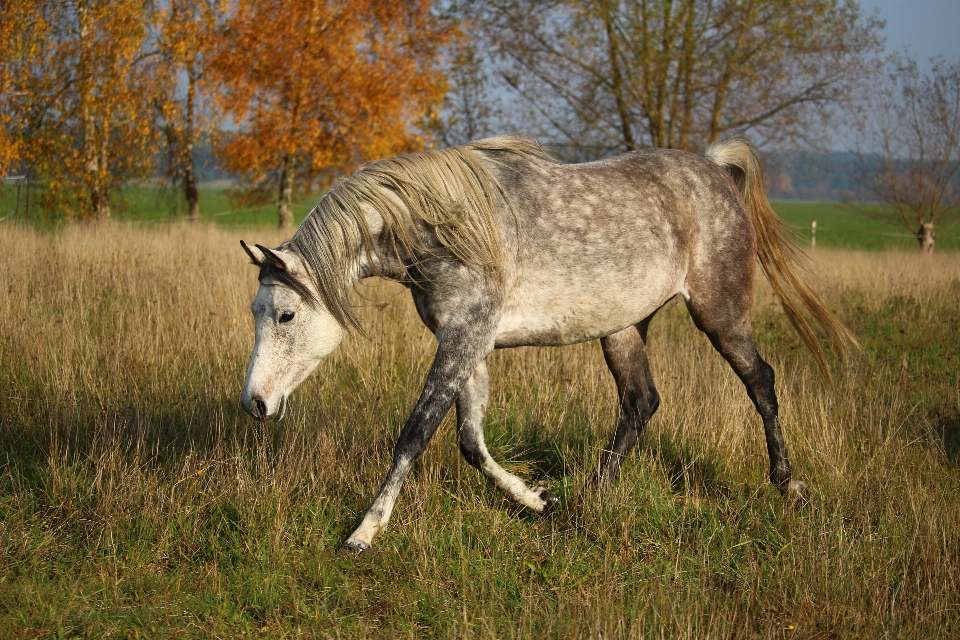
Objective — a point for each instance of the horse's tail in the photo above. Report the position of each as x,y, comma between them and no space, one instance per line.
778,255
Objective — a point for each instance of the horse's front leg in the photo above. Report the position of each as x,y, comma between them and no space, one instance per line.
458,352
471,411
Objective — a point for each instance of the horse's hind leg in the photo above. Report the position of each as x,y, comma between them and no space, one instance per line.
471,410
626,356
725,319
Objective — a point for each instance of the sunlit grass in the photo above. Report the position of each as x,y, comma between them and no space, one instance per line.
150,204
137,498
868,227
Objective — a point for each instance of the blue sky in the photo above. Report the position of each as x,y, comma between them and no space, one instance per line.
928,27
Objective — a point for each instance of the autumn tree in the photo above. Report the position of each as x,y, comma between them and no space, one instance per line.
13,47
316,87
909,147
609,75
82,85
186,37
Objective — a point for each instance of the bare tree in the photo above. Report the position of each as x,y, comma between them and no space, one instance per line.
910,144
620,74
468,110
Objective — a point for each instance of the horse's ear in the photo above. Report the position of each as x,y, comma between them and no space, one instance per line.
274,258
255,254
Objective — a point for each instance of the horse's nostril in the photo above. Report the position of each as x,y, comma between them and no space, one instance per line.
259,408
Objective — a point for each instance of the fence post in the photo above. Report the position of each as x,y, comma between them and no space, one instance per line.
26,214
813,235
16,210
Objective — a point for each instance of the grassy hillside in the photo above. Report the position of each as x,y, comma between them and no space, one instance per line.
137,500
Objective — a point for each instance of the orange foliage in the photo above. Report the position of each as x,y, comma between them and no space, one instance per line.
316,87
81,109
12,27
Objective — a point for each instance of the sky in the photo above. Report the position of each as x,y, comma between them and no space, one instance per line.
928,27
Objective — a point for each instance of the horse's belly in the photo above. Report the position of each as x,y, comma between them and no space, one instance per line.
538,320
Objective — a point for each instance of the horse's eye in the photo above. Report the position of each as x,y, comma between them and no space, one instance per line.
286,316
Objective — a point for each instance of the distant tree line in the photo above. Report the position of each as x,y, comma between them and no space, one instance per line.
290,94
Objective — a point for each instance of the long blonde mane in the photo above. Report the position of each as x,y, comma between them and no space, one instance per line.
451,193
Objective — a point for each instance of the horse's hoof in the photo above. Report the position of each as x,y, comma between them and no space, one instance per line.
550,502
355,546
600,482
797,492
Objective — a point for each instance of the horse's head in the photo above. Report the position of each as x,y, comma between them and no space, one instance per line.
293,332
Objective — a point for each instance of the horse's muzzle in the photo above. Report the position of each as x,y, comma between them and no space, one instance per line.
258,409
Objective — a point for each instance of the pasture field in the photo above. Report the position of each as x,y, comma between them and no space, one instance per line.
839,226
151,205
867,227
137,500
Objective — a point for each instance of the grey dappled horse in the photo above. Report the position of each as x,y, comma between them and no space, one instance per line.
502,246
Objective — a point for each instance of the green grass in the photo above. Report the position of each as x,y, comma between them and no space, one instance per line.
839,226
150,204
153,205
861,227
138,501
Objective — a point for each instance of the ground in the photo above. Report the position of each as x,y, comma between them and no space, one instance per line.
138,500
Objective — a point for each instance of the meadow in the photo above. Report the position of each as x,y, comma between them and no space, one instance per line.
137,500
152,205
839,226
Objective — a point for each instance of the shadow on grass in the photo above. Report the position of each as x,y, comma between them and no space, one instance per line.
688,471
156,436
947,429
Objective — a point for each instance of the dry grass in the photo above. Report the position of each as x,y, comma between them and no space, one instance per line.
137,500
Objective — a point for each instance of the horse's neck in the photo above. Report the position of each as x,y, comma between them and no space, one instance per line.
380,259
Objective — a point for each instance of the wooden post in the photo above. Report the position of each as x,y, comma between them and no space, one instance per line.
26,214
813,235
16,211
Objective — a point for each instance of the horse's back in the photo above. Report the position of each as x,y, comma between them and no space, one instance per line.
601,245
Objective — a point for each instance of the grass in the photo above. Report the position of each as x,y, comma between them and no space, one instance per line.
148,204
858,227
839,226
137,500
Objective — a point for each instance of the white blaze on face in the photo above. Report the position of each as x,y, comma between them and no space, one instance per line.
292,337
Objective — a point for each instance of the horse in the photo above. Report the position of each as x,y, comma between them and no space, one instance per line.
501,245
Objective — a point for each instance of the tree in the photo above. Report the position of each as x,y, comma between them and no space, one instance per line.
468,110
187,33
16,18
315,87
910,144
82,109
609,75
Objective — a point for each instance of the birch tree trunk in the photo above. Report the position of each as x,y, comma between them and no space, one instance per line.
94,154
285,210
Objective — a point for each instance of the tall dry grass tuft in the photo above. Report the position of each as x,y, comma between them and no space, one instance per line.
136,497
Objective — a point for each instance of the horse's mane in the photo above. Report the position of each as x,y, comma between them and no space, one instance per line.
450,192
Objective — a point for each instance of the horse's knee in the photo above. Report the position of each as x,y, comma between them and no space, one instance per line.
644,404
653,402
